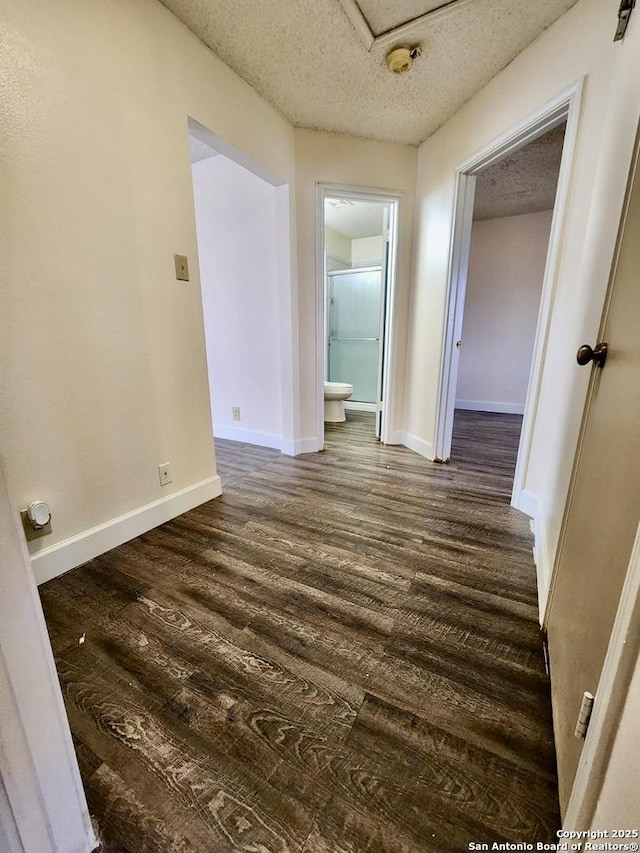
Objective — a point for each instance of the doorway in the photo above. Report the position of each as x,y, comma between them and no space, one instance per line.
564,109
511,225
357,239
242,223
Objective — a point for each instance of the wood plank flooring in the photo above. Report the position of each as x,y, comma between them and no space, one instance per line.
339,655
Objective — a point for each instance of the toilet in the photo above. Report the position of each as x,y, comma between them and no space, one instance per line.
335,393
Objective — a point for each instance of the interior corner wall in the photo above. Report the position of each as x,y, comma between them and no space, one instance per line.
504,282
349,161
103,351
367,251
579,45
236,227
337,245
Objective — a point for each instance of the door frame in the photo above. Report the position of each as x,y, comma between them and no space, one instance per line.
43,808
617,671
395,200
565,106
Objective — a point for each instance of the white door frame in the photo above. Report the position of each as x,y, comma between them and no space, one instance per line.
42,803
394,199
617,671
564,106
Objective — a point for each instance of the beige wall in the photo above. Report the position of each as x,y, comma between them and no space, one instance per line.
357,251
504,282
579,45
104,369
337,245
366,251
330,158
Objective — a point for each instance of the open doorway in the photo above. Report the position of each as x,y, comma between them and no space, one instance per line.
241,213
511,226
357,250
563,110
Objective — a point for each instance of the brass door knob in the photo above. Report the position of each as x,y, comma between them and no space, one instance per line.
597,356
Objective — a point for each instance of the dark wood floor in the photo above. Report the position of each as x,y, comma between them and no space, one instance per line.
339,655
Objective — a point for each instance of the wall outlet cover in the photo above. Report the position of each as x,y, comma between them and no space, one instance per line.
235,413
164,473
30,531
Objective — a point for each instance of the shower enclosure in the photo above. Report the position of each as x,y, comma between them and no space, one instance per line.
355,318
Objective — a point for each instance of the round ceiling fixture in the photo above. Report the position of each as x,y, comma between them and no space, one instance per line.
400,59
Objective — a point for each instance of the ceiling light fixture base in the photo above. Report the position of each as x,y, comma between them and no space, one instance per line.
400,59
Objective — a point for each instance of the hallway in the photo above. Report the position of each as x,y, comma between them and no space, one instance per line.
339,654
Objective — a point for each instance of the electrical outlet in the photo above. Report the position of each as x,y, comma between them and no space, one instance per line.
164,473
235,413
32,532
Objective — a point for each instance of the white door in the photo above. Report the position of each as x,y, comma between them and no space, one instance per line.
604,504
453,333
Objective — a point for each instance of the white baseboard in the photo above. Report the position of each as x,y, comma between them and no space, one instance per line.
354,406
484,406
544,564
526,502
529,504
248,436
72,552
267,439
303,445
424,448
395,437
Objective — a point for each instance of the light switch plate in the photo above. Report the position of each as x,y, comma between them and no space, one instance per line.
182,267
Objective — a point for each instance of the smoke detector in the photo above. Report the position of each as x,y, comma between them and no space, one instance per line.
400,59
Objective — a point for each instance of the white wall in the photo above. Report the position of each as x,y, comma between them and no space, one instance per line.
332,158
580,44
103,351
504,282
366,251
236,227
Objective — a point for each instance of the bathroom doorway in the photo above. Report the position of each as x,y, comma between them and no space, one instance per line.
356,261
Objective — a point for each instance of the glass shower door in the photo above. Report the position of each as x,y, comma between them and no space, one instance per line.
354,330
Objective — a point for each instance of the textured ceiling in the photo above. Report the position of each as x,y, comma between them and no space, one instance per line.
524,182
381,15
307,59
355,218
